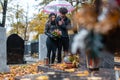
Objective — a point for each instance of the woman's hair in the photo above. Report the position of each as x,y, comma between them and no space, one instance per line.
52,14
50,18
63,10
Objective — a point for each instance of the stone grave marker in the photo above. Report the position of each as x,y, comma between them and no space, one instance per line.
15,49
42,46
34,47
3,58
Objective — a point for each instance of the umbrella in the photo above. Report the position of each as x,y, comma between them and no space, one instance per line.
54,6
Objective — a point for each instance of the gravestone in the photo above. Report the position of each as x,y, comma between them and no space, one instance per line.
15,49
27,49
3,62
42,46
34,47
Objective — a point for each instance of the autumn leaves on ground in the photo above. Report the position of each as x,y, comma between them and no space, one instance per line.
20,70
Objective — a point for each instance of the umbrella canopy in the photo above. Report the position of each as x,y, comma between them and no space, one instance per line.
55,5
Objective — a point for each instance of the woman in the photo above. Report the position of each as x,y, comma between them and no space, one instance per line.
51,41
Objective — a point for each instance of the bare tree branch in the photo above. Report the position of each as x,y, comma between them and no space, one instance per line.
1,3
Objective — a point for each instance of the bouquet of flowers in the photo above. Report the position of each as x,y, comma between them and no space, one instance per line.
72,59
57,33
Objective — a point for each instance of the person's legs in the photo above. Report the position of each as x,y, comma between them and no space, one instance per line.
54,47
59,57
59,47
49,55
65,45
53,56
49,49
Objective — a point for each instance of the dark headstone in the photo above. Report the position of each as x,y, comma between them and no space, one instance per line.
27,48
34,47
15,49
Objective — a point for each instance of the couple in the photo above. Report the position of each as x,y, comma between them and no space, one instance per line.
54,42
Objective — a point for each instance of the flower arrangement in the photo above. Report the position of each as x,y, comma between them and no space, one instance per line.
57,33
72,59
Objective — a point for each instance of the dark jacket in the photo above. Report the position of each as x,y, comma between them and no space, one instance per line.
49,28
65,26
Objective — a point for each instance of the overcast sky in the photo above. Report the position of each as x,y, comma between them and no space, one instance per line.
23,3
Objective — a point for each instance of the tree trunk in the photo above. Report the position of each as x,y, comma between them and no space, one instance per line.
4,13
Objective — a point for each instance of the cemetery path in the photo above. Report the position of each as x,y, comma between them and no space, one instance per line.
30,59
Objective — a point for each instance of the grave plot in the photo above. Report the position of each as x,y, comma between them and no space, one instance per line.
51,73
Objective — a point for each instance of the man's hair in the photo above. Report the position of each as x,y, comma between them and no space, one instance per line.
63,10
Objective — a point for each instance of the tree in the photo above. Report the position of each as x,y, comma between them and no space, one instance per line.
18,19
18,26
38,24
45,2
4,8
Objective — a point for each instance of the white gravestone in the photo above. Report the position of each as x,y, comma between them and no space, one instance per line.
3,58
42,46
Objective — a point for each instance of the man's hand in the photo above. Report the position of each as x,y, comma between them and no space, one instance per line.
60,23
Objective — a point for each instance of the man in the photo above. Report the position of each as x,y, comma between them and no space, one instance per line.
64,24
